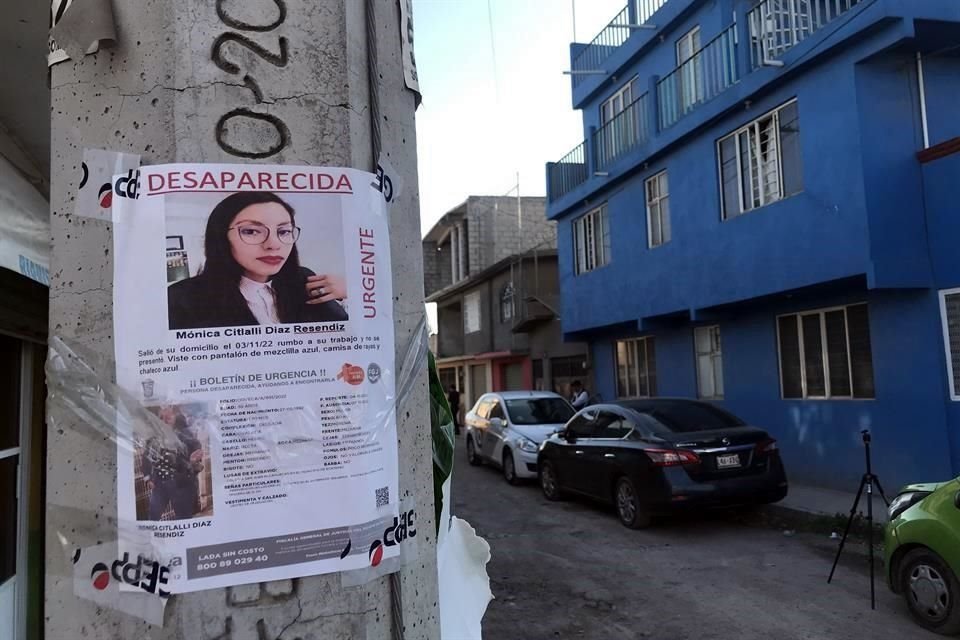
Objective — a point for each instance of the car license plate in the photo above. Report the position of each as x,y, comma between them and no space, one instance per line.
728,462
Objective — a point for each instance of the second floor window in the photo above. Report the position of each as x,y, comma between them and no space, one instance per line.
636,368
658,210
591,241
471,312
826,353
506,303
691,73
760,163
618,101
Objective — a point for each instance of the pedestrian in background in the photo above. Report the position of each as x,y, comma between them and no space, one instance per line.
578,395
453,397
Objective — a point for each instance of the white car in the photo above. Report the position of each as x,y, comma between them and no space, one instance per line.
507,427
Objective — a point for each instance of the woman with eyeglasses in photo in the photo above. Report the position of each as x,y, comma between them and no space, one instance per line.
252,273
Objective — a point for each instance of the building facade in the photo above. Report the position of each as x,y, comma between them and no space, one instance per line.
759,215
498,325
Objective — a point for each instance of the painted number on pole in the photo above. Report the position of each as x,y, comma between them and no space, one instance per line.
245,118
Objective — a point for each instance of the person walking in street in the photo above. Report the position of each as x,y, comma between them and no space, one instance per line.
453,397
578,395
170,468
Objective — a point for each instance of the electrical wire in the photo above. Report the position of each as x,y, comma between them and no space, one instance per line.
493,50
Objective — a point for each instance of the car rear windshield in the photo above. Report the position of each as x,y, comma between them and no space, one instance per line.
684,417
539,411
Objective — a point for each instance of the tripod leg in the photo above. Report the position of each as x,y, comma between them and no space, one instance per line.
876,481
873,595
846,531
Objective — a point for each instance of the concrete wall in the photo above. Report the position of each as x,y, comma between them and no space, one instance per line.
495,234
158,93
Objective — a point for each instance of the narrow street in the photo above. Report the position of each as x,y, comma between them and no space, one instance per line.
570,570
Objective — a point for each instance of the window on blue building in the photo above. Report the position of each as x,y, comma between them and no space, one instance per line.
950,311
691,69
658,210
636,368
826,353
760,163
591,240
709,362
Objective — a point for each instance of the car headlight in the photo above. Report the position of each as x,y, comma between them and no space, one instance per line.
527,445
904,501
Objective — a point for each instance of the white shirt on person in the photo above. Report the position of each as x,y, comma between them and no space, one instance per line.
580,400
261,299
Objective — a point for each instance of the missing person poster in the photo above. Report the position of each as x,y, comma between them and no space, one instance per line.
253,321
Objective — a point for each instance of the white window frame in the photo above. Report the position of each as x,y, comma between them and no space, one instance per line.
824,353
715,355
692,76
659,203
752,128
467,300
632,344
591,232
951,374
625,96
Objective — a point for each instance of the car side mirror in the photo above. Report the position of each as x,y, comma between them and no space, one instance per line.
496,423
568,435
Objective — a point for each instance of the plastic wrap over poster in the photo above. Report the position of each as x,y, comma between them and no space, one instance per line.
253,318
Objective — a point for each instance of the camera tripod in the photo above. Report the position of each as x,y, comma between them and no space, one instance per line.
867,483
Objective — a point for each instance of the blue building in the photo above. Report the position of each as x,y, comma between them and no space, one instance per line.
763,213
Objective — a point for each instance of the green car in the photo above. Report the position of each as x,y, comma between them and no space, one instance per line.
923,553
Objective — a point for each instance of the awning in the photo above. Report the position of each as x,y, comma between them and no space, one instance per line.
24,226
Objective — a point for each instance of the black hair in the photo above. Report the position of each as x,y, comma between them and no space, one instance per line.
221,270
576,383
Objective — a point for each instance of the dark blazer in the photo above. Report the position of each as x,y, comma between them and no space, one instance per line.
195,303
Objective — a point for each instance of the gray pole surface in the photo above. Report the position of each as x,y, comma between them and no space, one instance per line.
176,88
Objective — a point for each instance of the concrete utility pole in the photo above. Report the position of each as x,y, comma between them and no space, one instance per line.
275,81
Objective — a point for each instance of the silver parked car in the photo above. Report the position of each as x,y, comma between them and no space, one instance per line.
507,427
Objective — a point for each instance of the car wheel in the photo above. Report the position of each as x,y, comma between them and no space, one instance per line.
549,483
932,591
509,470
627,502
472,458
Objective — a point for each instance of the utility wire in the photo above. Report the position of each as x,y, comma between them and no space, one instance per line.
493,50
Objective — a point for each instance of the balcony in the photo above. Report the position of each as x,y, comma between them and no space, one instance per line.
633,16
776,26
760,38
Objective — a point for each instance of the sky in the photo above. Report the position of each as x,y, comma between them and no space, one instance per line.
489,112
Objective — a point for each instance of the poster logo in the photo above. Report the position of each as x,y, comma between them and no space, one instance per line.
84,174
100,576
376,553
105,196
373,372
351,374
128,186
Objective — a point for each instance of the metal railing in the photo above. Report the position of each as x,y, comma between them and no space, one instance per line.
705,75
624,132
778,25
590,60
569,172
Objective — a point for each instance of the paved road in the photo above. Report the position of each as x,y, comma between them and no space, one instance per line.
570,570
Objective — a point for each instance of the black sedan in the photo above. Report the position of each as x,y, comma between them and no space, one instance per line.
657,456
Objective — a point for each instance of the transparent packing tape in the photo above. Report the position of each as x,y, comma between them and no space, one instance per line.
84,401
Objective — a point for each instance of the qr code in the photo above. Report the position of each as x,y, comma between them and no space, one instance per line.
383,496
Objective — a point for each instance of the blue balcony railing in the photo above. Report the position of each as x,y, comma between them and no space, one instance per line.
569,172
633,16
778,25
625,132
705,75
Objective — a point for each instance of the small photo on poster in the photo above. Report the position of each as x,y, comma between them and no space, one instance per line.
254,258
172,472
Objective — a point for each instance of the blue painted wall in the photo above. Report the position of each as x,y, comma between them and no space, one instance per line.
820,439
872,224
817,235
